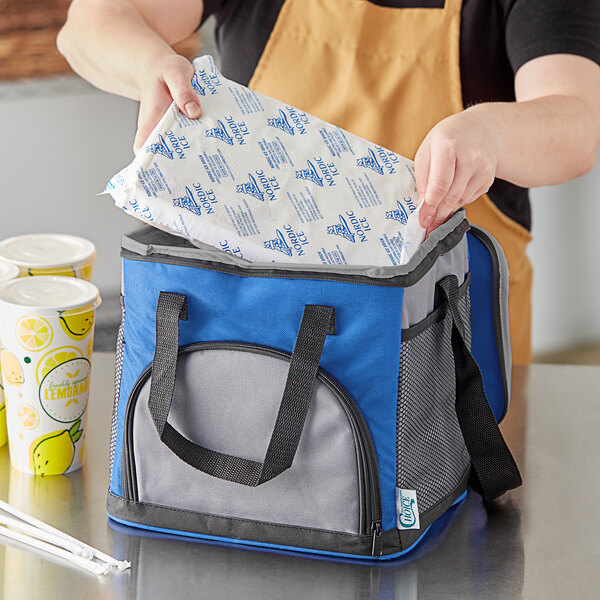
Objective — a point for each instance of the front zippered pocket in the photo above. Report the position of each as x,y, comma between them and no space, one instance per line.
205,357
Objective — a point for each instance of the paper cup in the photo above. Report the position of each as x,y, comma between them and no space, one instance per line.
47,331
8,271
50,254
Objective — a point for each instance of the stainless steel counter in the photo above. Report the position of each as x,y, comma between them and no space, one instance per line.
541,541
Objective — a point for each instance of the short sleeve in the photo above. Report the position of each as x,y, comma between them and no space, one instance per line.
211,7
540,27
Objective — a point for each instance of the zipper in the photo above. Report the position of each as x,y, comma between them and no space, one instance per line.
444,245
370,518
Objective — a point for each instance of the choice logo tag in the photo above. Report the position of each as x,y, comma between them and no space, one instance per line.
407,509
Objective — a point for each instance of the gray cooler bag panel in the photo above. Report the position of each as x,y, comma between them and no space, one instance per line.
226,399
432,457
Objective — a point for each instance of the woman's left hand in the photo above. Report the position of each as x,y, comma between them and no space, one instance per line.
455,164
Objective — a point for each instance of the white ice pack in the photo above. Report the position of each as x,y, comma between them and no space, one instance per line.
268,182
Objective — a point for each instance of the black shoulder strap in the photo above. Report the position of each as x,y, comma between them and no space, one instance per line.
493,469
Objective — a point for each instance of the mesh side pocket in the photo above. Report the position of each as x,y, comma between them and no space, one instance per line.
118,371
431,453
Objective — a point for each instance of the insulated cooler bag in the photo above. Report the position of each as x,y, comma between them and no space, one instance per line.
329,409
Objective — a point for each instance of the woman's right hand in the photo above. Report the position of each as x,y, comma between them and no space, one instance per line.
161,82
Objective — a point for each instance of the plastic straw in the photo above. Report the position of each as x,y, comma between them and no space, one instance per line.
89,565
86,550
45,536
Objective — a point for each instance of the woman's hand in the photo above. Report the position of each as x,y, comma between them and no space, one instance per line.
162,82
455,164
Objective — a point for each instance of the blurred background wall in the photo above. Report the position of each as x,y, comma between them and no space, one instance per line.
62,140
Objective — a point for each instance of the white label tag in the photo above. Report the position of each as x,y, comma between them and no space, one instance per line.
407,509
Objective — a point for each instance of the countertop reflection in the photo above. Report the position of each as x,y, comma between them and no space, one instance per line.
540,541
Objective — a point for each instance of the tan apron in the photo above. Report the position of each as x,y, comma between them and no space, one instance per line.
388,75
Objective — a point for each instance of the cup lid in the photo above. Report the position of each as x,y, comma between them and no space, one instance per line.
47,250
8,270
49,293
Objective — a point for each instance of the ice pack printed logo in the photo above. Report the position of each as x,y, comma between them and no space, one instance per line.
279,244
399,214
299,119
310,174
341,229
209,77
197,86
281,122
188,202
141,210
220,133
407,509
118,181
226,247
370,162
160,147
251,188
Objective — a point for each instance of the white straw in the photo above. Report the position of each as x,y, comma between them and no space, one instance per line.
86,549
46,536
89,565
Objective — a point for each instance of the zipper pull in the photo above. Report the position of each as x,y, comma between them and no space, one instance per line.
376,548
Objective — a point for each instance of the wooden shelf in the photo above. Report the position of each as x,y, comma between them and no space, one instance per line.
28,32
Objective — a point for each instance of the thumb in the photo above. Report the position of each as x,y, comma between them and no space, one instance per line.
178,80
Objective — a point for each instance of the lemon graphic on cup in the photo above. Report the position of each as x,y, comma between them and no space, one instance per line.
86,272
63,272
64,383
52,454
54,358
33,333
77,323
3,431
11,369
28,416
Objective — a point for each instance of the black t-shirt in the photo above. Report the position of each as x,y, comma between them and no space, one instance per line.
497,37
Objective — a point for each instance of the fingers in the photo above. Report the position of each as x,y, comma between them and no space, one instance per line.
442,167
422,159
153,105
450,202
454,165
170,81
178,80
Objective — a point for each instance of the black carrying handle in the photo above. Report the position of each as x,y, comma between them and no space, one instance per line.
317,323
493,469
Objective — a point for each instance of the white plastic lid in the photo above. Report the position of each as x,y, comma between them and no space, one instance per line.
47,250
49,293
8,271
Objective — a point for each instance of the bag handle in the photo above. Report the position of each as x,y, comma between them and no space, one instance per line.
317,322
493,469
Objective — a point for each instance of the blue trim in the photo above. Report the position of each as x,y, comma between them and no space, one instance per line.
217,538
484,345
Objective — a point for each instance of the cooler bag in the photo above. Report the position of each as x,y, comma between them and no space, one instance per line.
329,409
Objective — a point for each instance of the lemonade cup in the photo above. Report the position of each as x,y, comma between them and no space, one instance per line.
8,271
47,331
50,254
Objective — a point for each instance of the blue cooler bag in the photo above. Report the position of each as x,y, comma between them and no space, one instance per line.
329,409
